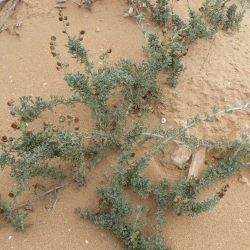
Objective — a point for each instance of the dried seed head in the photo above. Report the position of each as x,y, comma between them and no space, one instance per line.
76,120
64,31
4,138
10,102
109,50
53,53
67,24
12,113
77,128
60,18
65,18
11,195
221,195
82,32
14,125
80,39
23,119
59,64
53,38
132,154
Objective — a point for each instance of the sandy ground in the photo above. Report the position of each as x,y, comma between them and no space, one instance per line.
217,73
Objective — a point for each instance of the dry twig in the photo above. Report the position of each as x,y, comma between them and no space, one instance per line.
29,202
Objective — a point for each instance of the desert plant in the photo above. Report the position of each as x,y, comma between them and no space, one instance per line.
30,155
219,15
116,213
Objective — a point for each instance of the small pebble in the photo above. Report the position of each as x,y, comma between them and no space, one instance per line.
97,30
163,120
130,11
244,180
10,237
45,83
86,241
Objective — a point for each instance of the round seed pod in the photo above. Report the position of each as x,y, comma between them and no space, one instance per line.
76,120
14,125
11,195
23,119
10,102
4,138
132,154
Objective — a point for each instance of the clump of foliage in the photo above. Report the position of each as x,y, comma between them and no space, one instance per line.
30,155
178,34
219,15
12,215
117,214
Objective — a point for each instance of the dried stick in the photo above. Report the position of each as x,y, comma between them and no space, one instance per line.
29,202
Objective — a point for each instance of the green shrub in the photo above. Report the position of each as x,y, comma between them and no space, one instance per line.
30,154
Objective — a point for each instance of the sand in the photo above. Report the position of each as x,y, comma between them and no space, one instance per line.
217,73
